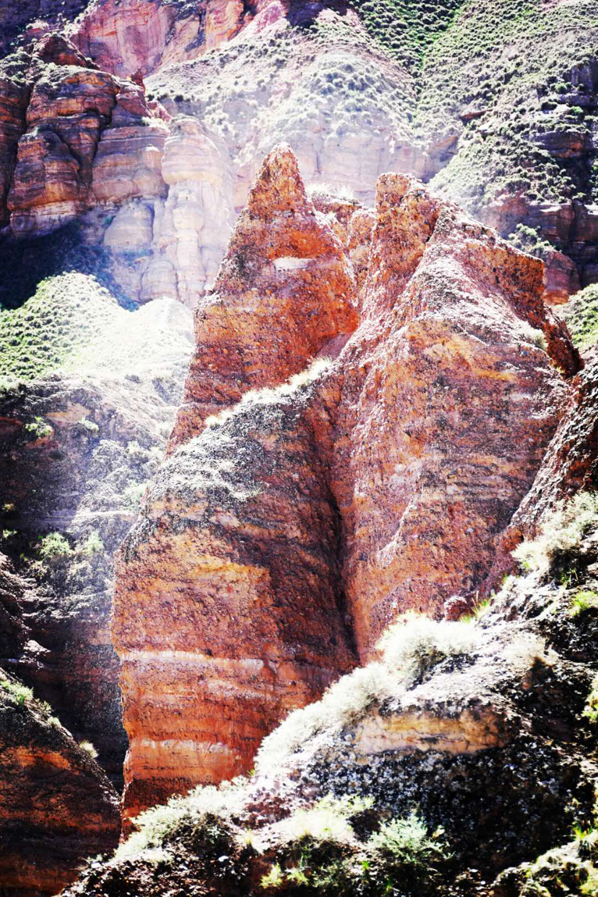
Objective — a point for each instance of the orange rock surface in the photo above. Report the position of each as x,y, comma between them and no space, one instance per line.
82,137
298,515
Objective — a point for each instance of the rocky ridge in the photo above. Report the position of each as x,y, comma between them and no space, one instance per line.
391,516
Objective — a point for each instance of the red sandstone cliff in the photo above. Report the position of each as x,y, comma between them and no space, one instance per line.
295,518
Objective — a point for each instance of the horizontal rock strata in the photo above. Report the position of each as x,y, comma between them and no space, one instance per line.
397,457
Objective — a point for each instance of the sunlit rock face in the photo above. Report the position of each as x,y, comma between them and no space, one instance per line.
353,96
295,518
85,138
124,38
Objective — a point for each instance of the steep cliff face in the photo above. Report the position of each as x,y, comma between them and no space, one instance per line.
175,165
58,806
423,419
82,433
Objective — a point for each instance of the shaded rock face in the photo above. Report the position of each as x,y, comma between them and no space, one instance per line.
76,453
397,457
58,806
569,466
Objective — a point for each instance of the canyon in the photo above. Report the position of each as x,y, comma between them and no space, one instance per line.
296,392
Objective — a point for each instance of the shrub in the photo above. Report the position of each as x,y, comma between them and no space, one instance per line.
92,545
89,427
405,843
327,821
591,709
205,810
560,534
39,428
133,495
326,854
274,878
582,601
533,335
53,546
88,747
415,644
17,692
343,704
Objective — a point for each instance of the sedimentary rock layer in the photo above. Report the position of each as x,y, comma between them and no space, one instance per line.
306,503
57,805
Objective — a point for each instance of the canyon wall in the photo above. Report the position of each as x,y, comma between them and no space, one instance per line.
146,123
352,441
57,806
373,393
88,396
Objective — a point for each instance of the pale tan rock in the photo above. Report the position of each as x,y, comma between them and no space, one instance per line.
196,219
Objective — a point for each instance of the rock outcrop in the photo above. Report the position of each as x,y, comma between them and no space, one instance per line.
306,503
88,138
463,751
57,806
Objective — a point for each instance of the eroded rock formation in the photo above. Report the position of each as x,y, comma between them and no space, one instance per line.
296,517
329,79
467,725
57,805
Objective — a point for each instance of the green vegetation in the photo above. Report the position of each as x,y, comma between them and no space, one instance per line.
319,849
529,240
571,869
581,316
92,544
582,601
560,534
415,644
53,546
322,846
18,693
480,609
207,811
50,330
407,29
526,116
39,428
57,556
133,496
